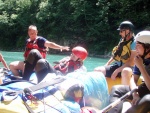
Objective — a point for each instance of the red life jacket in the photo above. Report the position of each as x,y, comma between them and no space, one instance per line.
33,45
68,66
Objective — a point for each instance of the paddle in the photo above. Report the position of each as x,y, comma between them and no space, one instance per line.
110,106
10,95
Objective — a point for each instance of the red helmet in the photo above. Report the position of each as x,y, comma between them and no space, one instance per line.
80,52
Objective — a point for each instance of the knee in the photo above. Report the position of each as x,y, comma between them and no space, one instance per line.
12,65
34,52
100,69
146,98
41,64
127,71
34,56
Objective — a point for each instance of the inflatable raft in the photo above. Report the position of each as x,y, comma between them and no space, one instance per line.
69,96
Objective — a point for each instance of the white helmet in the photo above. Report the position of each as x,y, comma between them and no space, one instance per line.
143,37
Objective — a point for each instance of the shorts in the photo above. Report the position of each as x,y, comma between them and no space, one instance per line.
110,69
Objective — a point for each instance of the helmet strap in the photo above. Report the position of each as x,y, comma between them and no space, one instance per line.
78,59
126,36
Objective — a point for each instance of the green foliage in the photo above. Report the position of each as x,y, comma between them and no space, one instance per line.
90,23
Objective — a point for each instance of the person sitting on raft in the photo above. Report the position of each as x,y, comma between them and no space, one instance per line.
141,97
73,62
122,55
41,66
34,42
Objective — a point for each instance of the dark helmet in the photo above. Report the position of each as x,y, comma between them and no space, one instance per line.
126,25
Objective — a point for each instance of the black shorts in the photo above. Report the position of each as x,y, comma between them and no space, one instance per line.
110,69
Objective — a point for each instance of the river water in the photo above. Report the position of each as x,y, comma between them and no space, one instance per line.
90,62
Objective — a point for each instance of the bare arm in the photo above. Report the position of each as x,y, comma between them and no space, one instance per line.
130,62
109,61
55,46
3,61
133,81
133,85
139,63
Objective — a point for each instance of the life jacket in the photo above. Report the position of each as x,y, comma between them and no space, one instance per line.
68,66
122,51
33,45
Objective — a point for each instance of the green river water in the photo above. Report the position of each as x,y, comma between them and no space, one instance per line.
90,62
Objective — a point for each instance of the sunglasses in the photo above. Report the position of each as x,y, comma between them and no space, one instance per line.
122,30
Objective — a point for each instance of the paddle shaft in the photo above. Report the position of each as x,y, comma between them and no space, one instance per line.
44,84
110,106
33,88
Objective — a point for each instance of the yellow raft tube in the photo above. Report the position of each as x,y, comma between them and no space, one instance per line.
117,81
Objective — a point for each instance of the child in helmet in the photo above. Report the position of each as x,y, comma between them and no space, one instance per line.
141,98
74,62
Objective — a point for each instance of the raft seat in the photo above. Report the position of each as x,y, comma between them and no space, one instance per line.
111,82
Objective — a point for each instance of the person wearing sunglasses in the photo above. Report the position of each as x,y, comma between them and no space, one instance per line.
122,55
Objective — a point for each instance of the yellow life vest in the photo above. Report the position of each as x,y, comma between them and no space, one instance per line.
122,51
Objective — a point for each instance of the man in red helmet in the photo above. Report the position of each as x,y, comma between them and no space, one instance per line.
68,64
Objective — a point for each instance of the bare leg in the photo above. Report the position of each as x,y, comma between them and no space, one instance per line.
101,69
16,66
126,76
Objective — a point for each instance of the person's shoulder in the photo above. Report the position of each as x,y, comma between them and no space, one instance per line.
40,38
133,44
